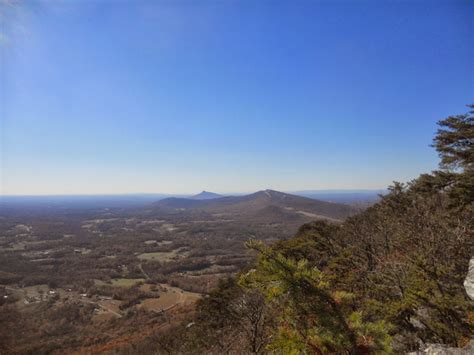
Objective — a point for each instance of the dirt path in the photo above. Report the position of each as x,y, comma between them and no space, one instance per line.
180,300
103,307
110,310
143,272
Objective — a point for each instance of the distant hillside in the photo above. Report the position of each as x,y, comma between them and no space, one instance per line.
205,195
258,203
349,197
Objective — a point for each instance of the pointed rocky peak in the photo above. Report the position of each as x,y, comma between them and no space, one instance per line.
206,195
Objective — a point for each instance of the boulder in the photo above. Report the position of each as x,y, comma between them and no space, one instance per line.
469,281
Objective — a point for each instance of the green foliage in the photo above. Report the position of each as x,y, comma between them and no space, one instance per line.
381,282
455,145
314,318
455,141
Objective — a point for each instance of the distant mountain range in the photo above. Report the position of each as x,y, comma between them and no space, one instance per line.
266,204
356,198
205,195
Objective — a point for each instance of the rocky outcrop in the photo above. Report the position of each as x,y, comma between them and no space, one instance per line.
439,349
469,281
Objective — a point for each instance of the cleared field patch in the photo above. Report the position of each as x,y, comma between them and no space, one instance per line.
168,227
106,310
110,305
162,256
152,222
126,282
16,246
82,251
166,300
169,297
158,242
213,270
103,316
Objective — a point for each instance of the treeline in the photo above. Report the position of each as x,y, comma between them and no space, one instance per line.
387,280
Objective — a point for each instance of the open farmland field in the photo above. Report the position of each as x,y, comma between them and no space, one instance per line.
126,282
169,297
163,256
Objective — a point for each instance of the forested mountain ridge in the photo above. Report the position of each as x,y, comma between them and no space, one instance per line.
387,280
259,202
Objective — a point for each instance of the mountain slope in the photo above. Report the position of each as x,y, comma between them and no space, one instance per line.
253,204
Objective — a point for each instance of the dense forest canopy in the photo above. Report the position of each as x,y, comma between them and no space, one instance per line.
387,280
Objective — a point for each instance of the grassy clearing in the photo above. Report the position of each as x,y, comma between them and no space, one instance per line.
159,256
169,297
161,242
168,227
126,282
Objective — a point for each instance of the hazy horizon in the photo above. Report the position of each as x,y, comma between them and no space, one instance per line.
138,97
226,193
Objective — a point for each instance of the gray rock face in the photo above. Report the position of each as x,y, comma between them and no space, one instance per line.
469,281
439,349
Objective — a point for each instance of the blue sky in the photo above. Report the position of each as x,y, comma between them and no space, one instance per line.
228,96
